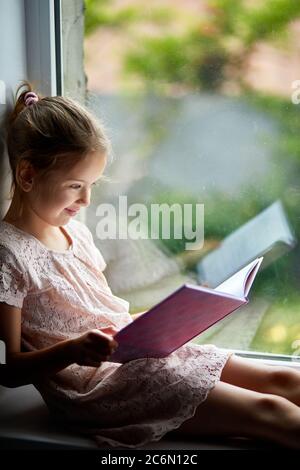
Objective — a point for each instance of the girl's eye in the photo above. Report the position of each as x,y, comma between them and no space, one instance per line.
77,186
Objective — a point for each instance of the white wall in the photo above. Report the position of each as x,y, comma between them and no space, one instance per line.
12,41
13,68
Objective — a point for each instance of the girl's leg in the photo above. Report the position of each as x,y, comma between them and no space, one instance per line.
237,412
245,373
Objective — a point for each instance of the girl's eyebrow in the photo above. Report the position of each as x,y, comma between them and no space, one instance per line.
101,178
83,181
76,179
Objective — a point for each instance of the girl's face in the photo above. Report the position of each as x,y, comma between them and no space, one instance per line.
60,195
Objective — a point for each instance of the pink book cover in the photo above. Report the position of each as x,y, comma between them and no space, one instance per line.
180,317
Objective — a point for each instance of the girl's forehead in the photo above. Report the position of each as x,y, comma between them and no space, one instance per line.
87,169
86,173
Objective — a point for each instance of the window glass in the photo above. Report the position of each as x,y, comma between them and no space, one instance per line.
201,101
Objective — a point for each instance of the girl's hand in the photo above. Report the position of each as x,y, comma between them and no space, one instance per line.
109,330
91,348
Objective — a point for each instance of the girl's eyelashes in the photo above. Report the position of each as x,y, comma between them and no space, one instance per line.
78,186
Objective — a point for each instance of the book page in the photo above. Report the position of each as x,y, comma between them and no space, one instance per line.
268,235
240,283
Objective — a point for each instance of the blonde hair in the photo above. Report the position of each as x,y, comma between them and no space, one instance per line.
53,133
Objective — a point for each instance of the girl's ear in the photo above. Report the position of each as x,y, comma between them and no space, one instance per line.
25,175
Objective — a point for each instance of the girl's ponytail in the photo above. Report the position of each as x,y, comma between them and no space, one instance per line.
20,101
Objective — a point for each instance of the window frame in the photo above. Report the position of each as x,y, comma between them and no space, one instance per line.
268,358
44,45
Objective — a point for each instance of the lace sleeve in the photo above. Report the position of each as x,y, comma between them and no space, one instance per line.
13,280
96,252
99,258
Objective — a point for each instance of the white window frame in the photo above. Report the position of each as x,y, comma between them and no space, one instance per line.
44,45
268,358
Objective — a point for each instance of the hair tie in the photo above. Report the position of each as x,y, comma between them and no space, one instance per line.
30,98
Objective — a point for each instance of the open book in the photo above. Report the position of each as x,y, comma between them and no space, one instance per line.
180,317
268,234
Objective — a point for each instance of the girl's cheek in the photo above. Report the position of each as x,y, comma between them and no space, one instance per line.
66,195
58,199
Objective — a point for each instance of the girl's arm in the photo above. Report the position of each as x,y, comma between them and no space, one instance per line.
23,368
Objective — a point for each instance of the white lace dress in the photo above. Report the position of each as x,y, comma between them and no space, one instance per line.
62,295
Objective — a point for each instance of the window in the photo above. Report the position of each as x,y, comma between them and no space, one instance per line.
200,105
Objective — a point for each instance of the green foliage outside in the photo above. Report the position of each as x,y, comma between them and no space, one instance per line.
99,13
213,47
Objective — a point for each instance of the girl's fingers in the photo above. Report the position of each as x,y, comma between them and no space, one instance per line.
94,358
110,330
108,341
98,355
101,344
100,335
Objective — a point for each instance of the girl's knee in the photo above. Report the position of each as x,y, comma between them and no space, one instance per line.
272,409
282,379
277,419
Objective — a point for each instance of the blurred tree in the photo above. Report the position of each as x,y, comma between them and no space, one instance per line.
103,13
213,47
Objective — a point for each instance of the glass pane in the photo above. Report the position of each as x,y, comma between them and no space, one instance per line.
201,103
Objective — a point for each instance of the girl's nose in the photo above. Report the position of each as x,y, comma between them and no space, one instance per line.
85,197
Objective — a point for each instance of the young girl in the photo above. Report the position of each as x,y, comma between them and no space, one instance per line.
58,315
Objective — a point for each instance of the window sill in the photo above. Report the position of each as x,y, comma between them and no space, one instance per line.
268,358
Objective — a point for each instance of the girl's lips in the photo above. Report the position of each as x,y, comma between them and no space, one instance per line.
71,212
